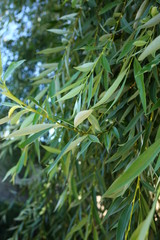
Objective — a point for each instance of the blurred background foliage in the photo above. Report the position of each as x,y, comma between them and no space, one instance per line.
91,67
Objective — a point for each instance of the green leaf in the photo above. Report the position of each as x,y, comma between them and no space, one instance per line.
150,49
125,148
109,6
90,90
22,161
157,166
76,228
95,124
133,122
61,200
33,138
52,50
112,89
11,171
105,64
72,93
127,47
42,74
68,147
17,116
139,43
123,222
140,83
81,116
86,67
51,149
12,68
93,138
152,22
32,129
49,65
58,31
136,168
4,120
69,16
142,230
74,144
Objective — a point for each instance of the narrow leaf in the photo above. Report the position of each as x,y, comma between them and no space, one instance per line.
152,22
4,120
12,68
51,149
76,228
136,168
109,6
150,49
11,111
52,50
140,83
111,90
142,230
72,93
58,31
86,67
31,130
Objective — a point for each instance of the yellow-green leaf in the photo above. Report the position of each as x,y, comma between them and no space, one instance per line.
51,149
4,120
32,129
139,43
86,67
72,93
142,230
136,168
12,109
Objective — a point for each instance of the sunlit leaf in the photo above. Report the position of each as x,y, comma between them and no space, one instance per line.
12,68
72,93
81,116
152,22
150,49
136,168
31,129
86,67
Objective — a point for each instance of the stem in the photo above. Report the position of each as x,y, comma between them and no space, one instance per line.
133,202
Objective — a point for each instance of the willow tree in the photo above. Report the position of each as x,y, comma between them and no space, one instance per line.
89,129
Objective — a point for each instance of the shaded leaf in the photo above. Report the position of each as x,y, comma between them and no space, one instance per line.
111,90
140,83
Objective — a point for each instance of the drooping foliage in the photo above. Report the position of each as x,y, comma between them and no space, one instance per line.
88,131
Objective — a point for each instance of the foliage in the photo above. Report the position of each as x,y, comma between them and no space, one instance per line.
88,131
